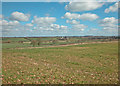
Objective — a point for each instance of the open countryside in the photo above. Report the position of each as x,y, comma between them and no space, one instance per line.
60,60
61,43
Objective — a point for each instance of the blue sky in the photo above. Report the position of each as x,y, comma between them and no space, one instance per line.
59,19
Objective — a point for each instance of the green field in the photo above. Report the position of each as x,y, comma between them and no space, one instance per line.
49,41
77,64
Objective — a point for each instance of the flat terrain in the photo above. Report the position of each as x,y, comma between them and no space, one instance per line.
76,64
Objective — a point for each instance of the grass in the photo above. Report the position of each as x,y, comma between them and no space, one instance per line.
78,64
14,39
15,45
45,41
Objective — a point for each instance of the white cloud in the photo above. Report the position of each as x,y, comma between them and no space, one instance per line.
3,22
63,27
89,16
8,26
80,27
13,23
19,16
10,23
112,8
47,23
43,21
69,15
72,21
52,27
103,32
55,26
14,28
109,23
29,25
85,16
83,6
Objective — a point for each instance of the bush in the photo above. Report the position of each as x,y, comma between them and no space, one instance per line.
54,41
33,42
39,41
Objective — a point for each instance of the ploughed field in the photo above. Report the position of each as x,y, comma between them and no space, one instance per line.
76,64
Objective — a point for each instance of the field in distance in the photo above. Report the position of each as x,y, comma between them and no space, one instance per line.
23,42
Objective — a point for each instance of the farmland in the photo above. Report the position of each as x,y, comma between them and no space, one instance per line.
16,42
92,63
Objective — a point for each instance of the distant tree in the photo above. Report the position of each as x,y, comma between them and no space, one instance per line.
110,39
9,41
54,41
33,42
39,41
79,41
20,41
67,40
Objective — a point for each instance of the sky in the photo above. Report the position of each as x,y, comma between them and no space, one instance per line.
34,19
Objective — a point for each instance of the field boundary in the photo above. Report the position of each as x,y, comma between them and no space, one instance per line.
63,45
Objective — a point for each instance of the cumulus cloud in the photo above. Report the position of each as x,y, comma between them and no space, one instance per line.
112,8
80,27
85,16
103,32
89,16
69,15
63,27
45,28
83,6
10,23
55,26
8,26
43,21
109,23
3,22
19,16
14,28
13,23
72,21
47,23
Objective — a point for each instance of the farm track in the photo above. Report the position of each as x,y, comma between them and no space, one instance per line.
64,45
